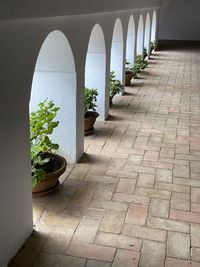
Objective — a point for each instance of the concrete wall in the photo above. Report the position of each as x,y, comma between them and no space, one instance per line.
49,8
21,41
180,20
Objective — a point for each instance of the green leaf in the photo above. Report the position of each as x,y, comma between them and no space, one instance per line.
42,125
90,98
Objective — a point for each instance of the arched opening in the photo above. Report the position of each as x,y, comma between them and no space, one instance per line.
147,34
153,27
140,36
95,67
55,78
117,48
130,43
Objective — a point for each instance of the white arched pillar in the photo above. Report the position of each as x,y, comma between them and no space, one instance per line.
147,34
140,36
55,78
95,68
153,27
130,42
117,51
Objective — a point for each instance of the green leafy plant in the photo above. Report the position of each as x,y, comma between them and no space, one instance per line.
128,67
132,69
42,125
140,62
90,99
115,85
145,54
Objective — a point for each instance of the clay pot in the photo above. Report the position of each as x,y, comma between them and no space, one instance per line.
110,100
128,78
50,182
89,121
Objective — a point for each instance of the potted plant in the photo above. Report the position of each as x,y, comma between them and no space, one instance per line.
141,63
90,99
145,54
152,46
128,73
46,166
115,86
131,72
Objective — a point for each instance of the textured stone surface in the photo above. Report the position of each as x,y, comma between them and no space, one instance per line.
137,214
126,258
159,208
178,245
153,254
145,233
180,201
91,251
119,241
113,221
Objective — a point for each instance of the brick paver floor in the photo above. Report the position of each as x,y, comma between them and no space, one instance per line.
134,198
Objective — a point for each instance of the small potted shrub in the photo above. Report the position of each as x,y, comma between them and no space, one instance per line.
131,72
152,46
46,166
140,62
128,73
145,54
90,99
115,86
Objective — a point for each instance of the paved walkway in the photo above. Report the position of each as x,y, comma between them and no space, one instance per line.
134,198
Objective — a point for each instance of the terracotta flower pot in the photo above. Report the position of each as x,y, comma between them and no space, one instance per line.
128,78
90,118
49,183
110,100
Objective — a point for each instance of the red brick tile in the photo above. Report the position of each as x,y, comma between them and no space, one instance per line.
167,166
153,254
145,233
185,216
151,156
118,241
171,262
126,258
112,221
91,251
137,214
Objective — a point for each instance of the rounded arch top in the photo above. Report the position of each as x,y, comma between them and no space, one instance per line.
131,25
55,54
118,31
148,20
154,18
97,40
141,24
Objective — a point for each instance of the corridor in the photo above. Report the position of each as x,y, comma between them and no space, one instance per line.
134,197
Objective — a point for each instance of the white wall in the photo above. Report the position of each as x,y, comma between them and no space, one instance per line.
140,36
21,41
117,50
55,80
95,68
130,42
180,20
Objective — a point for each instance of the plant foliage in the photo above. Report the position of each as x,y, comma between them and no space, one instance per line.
115,85
90,99
145,54
132,69
140,62
42,125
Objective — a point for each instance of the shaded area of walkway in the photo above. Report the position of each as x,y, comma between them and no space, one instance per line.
134,198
